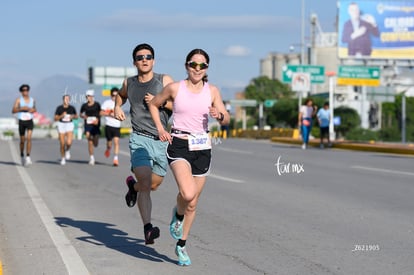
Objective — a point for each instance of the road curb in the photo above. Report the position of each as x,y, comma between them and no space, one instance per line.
367,147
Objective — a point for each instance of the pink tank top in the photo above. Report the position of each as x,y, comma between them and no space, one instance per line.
190,110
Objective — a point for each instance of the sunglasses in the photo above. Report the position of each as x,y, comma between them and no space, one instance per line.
142,57
194,65
24,90
113,95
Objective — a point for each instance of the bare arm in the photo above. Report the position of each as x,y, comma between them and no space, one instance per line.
120,100
166,104
218,110
16,106
155,103
33,109
167,80
58,117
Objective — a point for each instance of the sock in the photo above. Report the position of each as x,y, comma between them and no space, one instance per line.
116,157
179,217
147,227
27,155
22,154
181,242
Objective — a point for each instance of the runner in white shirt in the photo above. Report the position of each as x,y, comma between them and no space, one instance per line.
112,126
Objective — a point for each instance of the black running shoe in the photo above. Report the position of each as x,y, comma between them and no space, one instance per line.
151,235
131,196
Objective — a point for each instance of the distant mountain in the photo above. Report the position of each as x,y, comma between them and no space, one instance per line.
48,93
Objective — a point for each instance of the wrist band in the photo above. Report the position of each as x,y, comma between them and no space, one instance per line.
221,118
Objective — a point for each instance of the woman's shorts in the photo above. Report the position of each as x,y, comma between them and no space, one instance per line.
64,127
199,160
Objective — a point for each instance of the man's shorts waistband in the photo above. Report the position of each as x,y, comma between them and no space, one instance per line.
146,134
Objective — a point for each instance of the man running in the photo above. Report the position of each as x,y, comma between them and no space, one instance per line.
148,160
25,106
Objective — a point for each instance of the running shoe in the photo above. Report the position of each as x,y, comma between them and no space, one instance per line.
92,161
107,152
176,226
28,161
63,161
183,258
67,155
131,196
116,162
151,235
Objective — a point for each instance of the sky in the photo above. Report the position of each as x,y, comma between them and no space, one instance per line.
43,38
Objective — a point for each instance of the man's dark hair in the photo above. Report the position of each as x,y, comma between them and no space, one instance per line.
143,46
23,87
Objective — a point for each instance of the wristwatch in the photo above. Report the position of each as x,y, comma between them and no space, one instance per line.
221,118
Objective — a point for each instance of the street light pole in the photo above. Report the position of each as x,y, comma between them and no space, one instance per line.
403,118
302,35
302,46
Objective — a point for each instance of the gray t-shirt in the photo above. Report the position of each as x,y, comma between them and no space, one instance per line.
140,115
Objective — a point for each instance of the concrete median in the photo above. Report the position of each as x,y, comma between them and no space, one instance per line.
379,147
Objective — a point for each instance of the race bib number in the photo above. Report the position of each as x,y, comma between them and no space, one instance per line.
26,116
66,118
91,120
198,142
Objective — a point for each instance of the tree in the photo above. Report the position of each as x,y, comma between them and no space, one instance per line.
262,88
284,113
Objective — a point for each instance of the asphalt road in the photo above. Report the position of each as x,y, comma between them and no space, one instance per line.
267,208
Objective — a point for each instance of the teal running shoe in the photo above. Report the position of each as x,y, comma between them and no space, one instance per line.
176,226
183,259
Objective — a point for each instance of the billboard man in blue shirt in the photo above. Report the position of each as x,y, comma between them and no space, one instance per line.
358,30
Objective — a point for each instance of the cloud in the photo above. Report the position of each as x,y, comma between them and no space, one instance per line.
237,50
122,20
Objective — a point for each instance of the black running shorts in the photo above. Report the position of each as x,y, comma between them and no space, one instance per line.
25,125
111,132
199,160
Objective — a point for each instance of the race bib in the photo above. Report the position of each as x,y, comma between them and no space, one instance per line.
25,116
198,142
66,118
91,120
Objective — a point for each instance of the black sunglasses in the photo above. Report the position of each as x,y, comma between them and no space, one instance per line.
194,65
142,57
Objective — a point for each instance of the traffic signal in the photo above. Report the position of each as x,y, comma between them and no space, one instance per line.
90,75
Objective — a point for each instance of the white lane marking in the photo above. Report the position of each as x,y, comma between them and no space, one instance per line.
383,170
70,257
225,178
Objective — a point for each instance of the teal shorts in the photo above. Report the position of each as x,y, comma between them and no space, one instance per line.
146,151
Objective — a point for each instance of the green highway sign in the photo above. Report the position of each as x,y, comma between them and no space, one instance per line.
358,76
317,73
243,102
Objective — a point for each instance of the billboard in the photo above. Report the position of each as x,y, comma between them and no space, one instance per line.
376,29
